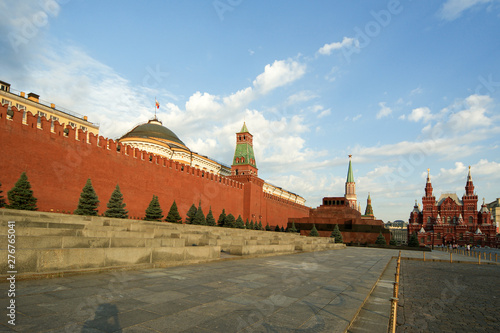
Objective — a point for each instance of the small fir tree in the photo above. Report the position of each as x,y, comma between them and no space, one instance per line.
222,218
88,203
277,229
413,241
314,232
230,221
380,239
247,225
292,228
154,211
260,226
239,223
251,225
116,207
173,214
210,218
190,214
21,196
199,217
2,199
282,229
268,227
337,235
393,242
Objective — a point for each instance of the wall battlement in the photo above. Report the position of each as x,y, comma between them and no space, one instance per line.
55,130
59,159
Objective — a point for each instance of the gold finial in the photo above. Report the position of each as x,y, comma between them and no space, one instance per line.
428,170
350,156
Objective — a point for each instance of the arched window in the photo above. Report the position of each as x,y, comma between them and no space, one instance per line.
449,220
429,220
471,220
242,160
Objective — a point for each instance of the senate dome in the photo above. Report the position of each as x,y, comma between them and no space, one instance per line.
153,130
157,139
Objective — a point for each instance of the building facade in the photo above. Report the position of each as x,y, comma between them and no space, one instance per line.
494,208
450,220
157,139
399,231
32,103
344,212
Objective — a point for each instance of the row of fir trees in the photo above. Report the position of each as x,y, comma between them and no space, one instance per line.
21,197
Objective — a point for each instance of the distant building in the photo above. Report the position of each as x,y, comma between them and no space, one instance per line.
494,208
399,231
345,212
157,139
450,220
32,103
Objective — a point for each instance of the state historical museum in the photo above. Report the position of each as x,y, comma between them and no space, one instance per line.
450,220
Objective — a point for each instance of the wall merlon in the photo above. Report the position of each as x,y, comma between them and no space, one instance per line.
75,163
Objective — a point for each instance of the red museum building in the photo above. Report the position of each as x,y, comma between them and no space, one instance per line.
450,220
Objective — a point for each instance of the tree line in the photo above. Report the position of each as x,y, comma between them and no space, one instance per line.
21,197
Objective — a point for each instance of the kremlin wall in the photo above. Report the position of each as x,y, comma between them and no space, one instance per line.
59,158
60,151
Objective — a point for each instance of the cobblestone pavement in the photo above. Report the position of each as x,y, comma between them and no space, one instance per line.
306,292
444,297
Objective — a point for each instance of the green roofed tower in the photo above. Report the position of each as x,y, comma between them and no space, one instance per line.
350,187
244,157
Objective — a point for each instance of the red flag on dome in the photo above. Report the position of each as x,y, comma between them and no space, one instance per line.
157,103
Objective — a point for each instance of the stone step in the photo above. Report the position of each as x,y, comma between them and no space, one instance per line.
115,234
43,224
53,260
62,242
318,247
249,250
41,232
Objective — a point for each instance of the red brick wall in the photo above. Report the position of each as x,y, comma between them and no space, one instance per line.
58,167
362,229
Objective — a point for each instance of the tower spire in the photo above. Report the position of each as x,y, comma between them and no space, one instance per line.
350,187
350,176
369,209
469,186
244,157
428,185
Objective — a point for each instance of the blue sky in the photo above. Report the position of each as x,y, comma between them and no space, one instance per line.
401,85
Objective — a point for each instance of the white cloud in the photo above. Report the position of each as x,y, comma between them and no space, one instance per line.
332,76
474,114
324,113
355,118
423,113
416,91
346,42
203,104
483,172
384,110
280,73
453,9
301,96
316,108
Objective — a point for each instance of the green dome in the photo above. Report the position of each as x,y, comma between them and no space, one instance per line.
153,129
